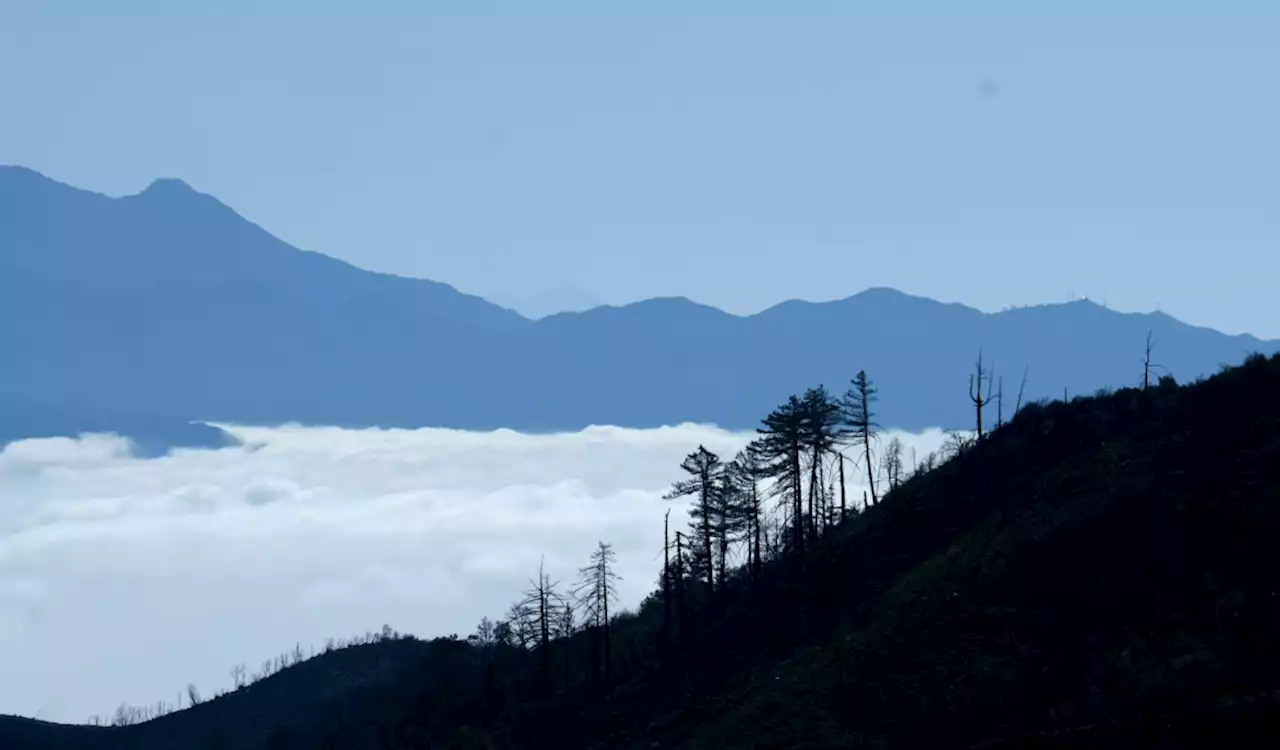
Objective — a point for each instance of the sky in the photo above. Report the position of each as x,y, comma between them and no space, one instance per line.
190,564
736,152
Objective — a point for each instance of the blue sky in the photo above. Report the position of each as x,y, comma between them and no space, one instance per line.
738,153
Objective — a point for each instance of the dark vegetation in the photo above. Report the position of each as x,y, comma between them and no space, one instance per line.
1092,573
287,692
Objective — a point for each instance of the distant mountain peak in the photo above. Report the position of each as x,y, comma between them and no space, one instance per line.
673,304
172,196
883,291
883,296
170,186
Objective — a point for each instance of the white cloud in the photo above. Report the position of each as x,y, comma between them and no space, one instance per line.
124,579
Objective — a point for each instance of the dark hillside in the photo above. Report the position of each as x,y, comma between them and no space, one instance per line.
1098,571
1095,573
250,717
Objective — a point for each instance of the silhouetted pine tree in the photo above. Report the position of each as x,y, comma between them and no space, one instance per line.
782,447
822,430
704,468
860,420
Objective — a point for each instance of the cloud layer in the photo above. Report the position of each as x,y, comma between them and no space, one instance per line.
121,580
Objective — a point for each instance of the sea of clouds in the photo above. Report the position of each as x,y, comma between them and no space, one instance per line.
124,579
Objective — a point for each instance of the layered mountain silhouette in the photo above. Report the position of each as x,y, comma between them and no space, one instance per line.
170,306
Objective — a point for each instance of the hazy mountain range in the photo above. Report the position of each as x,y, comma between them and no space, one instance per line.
547,302
164,307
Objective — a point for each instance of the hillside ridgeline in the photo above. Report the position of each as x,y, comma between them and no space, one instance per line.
1095,573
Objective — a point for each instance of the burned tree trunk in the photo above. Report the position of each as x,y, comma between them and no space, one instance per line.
842,503
1018,406
666,575
975,392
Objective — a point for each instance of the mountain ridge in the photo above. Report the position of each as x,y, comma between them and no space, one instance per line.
177,305
178,186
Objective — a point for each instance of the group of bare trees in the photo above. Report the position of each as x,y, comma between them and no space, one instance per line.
984,376
126,714
546,613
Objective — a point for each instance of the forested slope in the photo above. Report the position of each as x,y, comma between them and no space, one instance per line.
1095,573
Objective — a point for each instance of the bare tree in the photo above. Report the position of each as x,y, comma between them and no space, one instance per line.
666,574
892,461
679,579
842,497
504,634
485,637
125,715
193,694
1148,365
832,517
596,590
1018,406
999,402
975,392
956,444
543,607
542,602
239,676
927,464
566,621
520,628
